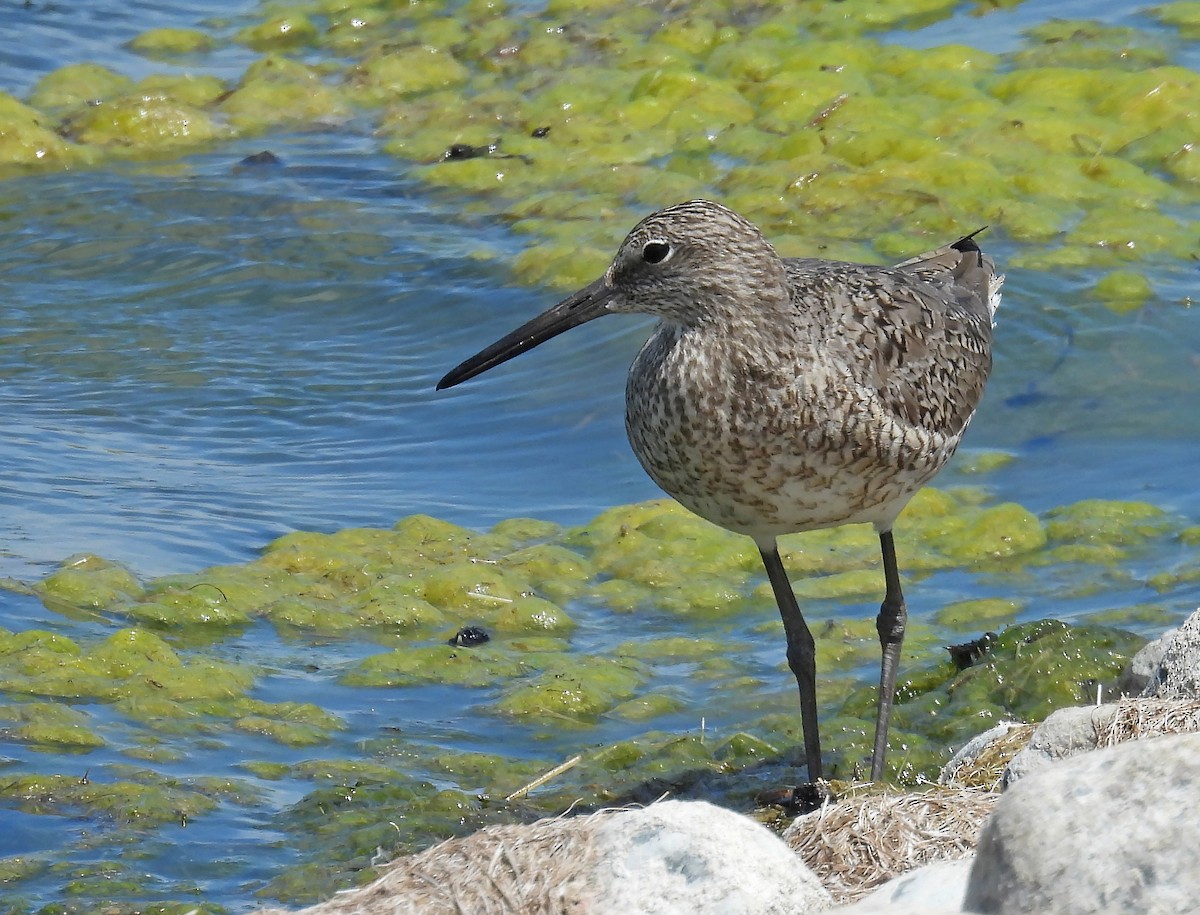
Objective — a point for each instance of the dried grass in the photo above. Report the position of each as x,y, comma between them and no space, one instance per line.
986,769
501,870
859,843
1136,718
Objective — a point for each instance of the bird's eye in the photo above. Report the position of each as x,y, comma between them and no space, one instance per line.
656,252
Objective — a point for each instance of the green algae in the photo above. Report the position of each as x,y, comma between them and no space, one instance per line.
1123,290
50,727
280,32
277,91
648,707
146,680
410,71
404,794
89,581
207,606
294,724
16,868
983,462
1183,14
151,800
171,42
1146,617
477,667
980,613
75,85
574,689
344,823
1103,521
1089,44
553,570
1071,142
195,90
814,97
966,148
27,139
149,123
1031,670
676,648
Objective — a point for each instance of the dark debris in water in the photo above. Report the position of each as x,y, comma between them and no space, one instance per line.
469,637
967,654
259,159
799,799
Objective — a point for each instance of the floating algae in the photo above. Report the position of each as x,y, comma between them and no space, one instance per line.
75,85
25,139
798,117
168,42
276,91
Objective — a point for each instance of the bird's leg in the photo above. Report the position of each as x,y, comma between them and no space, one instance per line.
801,653
893,615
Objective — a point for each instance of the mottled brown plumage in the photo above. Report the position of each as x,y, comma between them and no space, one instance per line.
781,395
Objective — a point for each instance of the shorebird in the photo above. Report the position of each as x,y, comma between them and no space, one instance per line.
779,395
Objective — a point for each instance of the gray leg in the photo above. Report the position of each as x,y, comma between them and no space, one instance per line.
801,654
893,616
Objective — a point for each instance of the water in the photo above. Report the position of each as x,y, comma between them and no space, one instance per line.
198,357
219,390
219,360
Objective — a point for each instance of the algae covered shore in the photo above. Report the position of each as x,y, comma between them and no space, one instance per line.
615,642
273,727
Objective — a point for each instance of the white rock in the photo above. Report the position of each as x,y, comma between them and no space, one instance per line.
934,888
672,858
1111,831
690,857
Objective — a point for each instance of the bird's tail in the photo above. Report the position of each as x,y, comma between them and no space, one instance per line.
963,264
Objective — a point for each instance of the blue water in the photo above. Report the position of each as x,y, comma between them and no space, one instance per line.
198,357
200,360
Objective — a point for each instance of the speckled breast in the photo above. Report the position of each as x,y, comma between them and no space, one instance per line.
771,450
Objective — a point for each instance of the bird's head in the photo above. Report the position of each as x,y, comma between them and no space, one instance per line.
691,263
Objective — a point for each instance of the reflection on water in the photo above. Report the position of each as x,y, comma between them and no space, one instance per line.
198,362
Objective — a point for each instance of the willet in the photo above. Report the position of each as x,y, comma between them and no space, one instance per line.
779,395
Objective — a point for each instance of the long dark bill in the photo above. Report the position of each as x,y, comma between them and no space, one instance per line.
585,305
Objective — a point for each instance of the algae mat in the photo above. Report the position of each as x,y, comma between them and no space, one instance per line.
575,120
644,643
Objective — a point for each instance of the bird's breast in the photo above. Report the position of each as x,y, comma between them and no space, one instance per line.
770,447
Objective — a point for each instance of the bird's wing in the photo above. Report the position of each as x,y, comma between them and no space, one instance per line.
914,339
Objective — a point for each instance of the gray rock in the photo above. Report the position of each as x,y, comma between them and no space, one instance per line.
1177,673
1143,666
1111,831
1067,732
